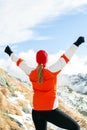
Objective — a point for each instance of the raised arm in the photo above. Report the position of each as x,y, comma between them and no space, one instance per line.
65,58
19,61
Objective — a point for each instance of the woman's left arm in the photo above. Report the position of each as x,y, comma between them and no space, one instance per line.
19,61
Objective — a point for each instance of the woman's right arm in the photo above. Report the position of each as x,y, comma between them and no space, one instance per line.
66,57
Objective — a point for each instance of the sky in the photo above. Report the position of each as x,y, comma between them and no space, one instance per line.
27,26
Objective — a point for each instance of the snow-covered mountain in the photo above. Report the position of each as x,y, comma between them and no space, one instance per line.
16,104
74,91
77,82
74,100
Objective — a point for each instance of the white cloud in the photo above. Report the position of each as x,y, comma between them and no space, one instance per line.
19,17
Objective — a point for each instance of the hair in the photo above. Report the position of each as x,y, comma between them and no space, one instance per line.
41,59
40,73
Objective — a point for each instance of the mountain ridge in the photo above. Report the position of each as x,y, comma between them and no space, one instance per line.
16,105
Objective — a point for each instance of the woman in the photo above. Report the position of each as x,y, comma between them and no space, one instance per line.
44,83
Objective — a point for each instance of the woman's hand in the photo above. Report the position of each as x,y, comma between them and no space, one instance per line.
8,50
79,41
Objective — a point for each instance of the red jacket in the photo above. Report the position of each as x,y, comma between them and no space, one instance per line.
45,93
44,97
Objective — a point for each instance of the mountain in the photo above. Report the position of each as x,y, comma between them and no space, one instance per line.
74,100
77,82
16,104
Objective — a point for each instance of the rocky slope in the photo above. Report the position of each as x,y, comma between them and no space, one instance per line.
16,105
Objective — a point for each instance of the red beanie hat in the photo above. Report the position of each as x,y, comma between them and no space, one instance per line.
41,57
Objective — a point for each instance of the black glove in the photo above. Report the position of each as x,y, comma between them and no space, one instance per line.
79,41
8,50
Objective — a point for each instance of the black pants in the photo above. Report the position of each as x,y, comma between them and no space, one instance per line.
56,117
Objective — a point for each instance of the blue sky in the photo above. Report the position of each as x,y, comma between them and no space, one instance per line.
61,33
53,30
52,25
